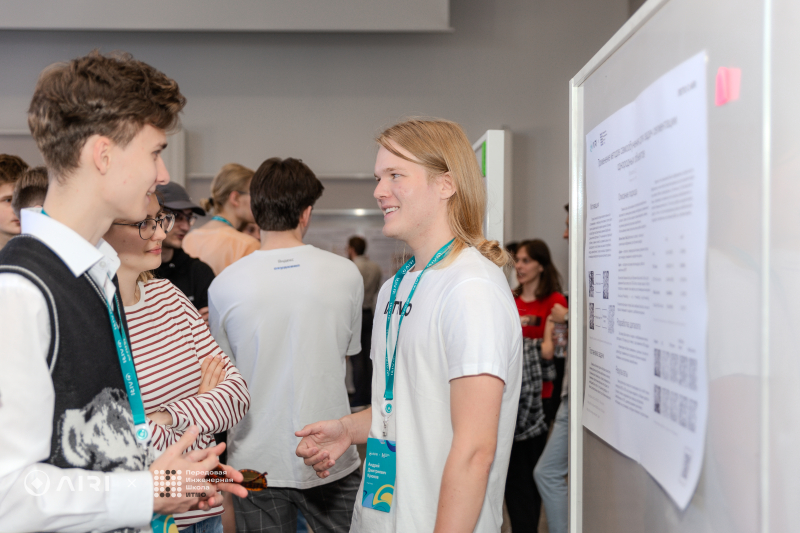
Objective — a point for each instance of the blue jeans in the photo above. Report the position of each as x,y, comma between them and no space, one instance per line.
551,472
209,525
302,525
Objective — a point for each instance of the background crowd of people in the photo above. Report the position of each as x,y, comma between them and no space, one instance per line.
242,338
159,278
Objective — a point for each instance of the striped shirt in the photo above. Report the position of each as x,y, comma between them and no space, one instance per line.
169,341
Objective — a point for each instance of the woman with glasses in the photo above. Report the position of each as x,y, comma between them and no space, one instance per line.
221,242
184,376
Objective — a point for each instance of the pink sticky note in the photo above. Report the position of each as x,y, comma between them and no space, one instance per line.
729,81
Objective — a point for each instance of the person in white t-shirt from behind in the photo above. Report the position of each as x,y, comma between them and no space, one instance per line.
459,352
288,314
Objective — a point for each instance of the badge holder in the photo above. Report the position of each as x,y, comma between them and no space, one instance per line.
380,470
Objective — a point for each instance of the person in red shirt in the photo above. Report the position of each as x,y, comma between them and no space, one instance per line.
538,291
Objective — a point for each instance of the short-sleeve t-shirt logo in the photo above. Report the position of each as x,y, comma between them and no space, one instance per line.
397,308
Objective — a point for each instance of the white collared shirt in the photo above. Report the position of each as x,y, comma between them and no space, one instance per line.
125,499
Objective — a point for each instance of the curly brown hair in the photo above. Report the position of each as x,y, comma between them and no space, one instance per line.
30,189
11,168
112,95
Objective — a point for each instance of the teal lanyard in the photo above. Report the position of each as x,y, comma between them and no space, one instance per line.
141,427
388,396
222,219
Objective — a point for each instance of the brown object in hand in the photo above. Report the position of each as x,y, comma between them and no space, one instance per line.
531,320
252,480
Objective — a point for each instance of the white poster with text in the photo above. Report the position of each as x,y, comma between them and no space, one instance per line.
646,236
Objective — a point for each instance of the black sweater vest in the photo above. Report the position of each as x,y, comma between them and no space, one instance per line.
92,421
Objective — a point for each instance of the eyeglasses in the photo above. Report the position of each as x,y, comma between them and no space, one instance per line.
180,216
147,227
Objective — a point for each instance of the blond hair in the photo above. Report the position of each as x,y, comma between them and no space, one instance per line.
441,146
145,276
232,177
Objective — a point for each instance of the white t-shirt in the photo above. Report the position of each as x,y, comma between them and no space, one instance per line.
287,318
462,321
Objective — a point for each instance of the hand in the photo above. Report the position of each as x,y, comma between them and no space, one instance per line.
322,444
559,313
212,372
203,313
161,417
549,326
199,462
547,348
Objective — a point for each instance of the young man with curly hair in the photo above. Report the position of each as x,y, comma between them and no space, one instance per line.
71,413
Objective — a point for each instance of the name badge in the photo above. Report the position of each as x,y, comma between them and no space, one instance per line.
380,473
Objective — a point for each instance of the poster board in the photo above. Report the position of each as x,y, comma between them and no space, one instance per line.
748,480
645,255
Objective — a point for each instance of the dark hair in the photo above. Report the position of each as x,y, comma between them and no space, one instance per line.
30,189
111,95
11,168
550,279
279,192
358,244
511,247
566,208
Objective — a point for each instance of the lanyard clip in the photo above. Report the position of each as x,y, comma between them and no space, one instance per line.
142,432
387,408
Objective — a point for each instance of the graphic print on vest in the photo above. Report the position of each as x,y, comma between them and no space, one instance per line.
92,424
398,308
99,436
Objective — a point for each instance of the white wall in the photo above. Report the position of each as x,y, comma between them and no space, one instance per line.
323,97
231,15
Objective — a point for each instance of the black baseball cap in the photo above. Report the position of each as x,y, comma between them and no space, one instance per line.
175,197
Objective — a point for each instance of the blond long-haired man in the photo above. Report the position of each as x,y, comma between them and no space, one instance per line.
447,350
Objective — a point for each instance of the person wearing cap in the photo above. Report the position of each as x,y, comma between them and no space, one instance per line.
190,275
